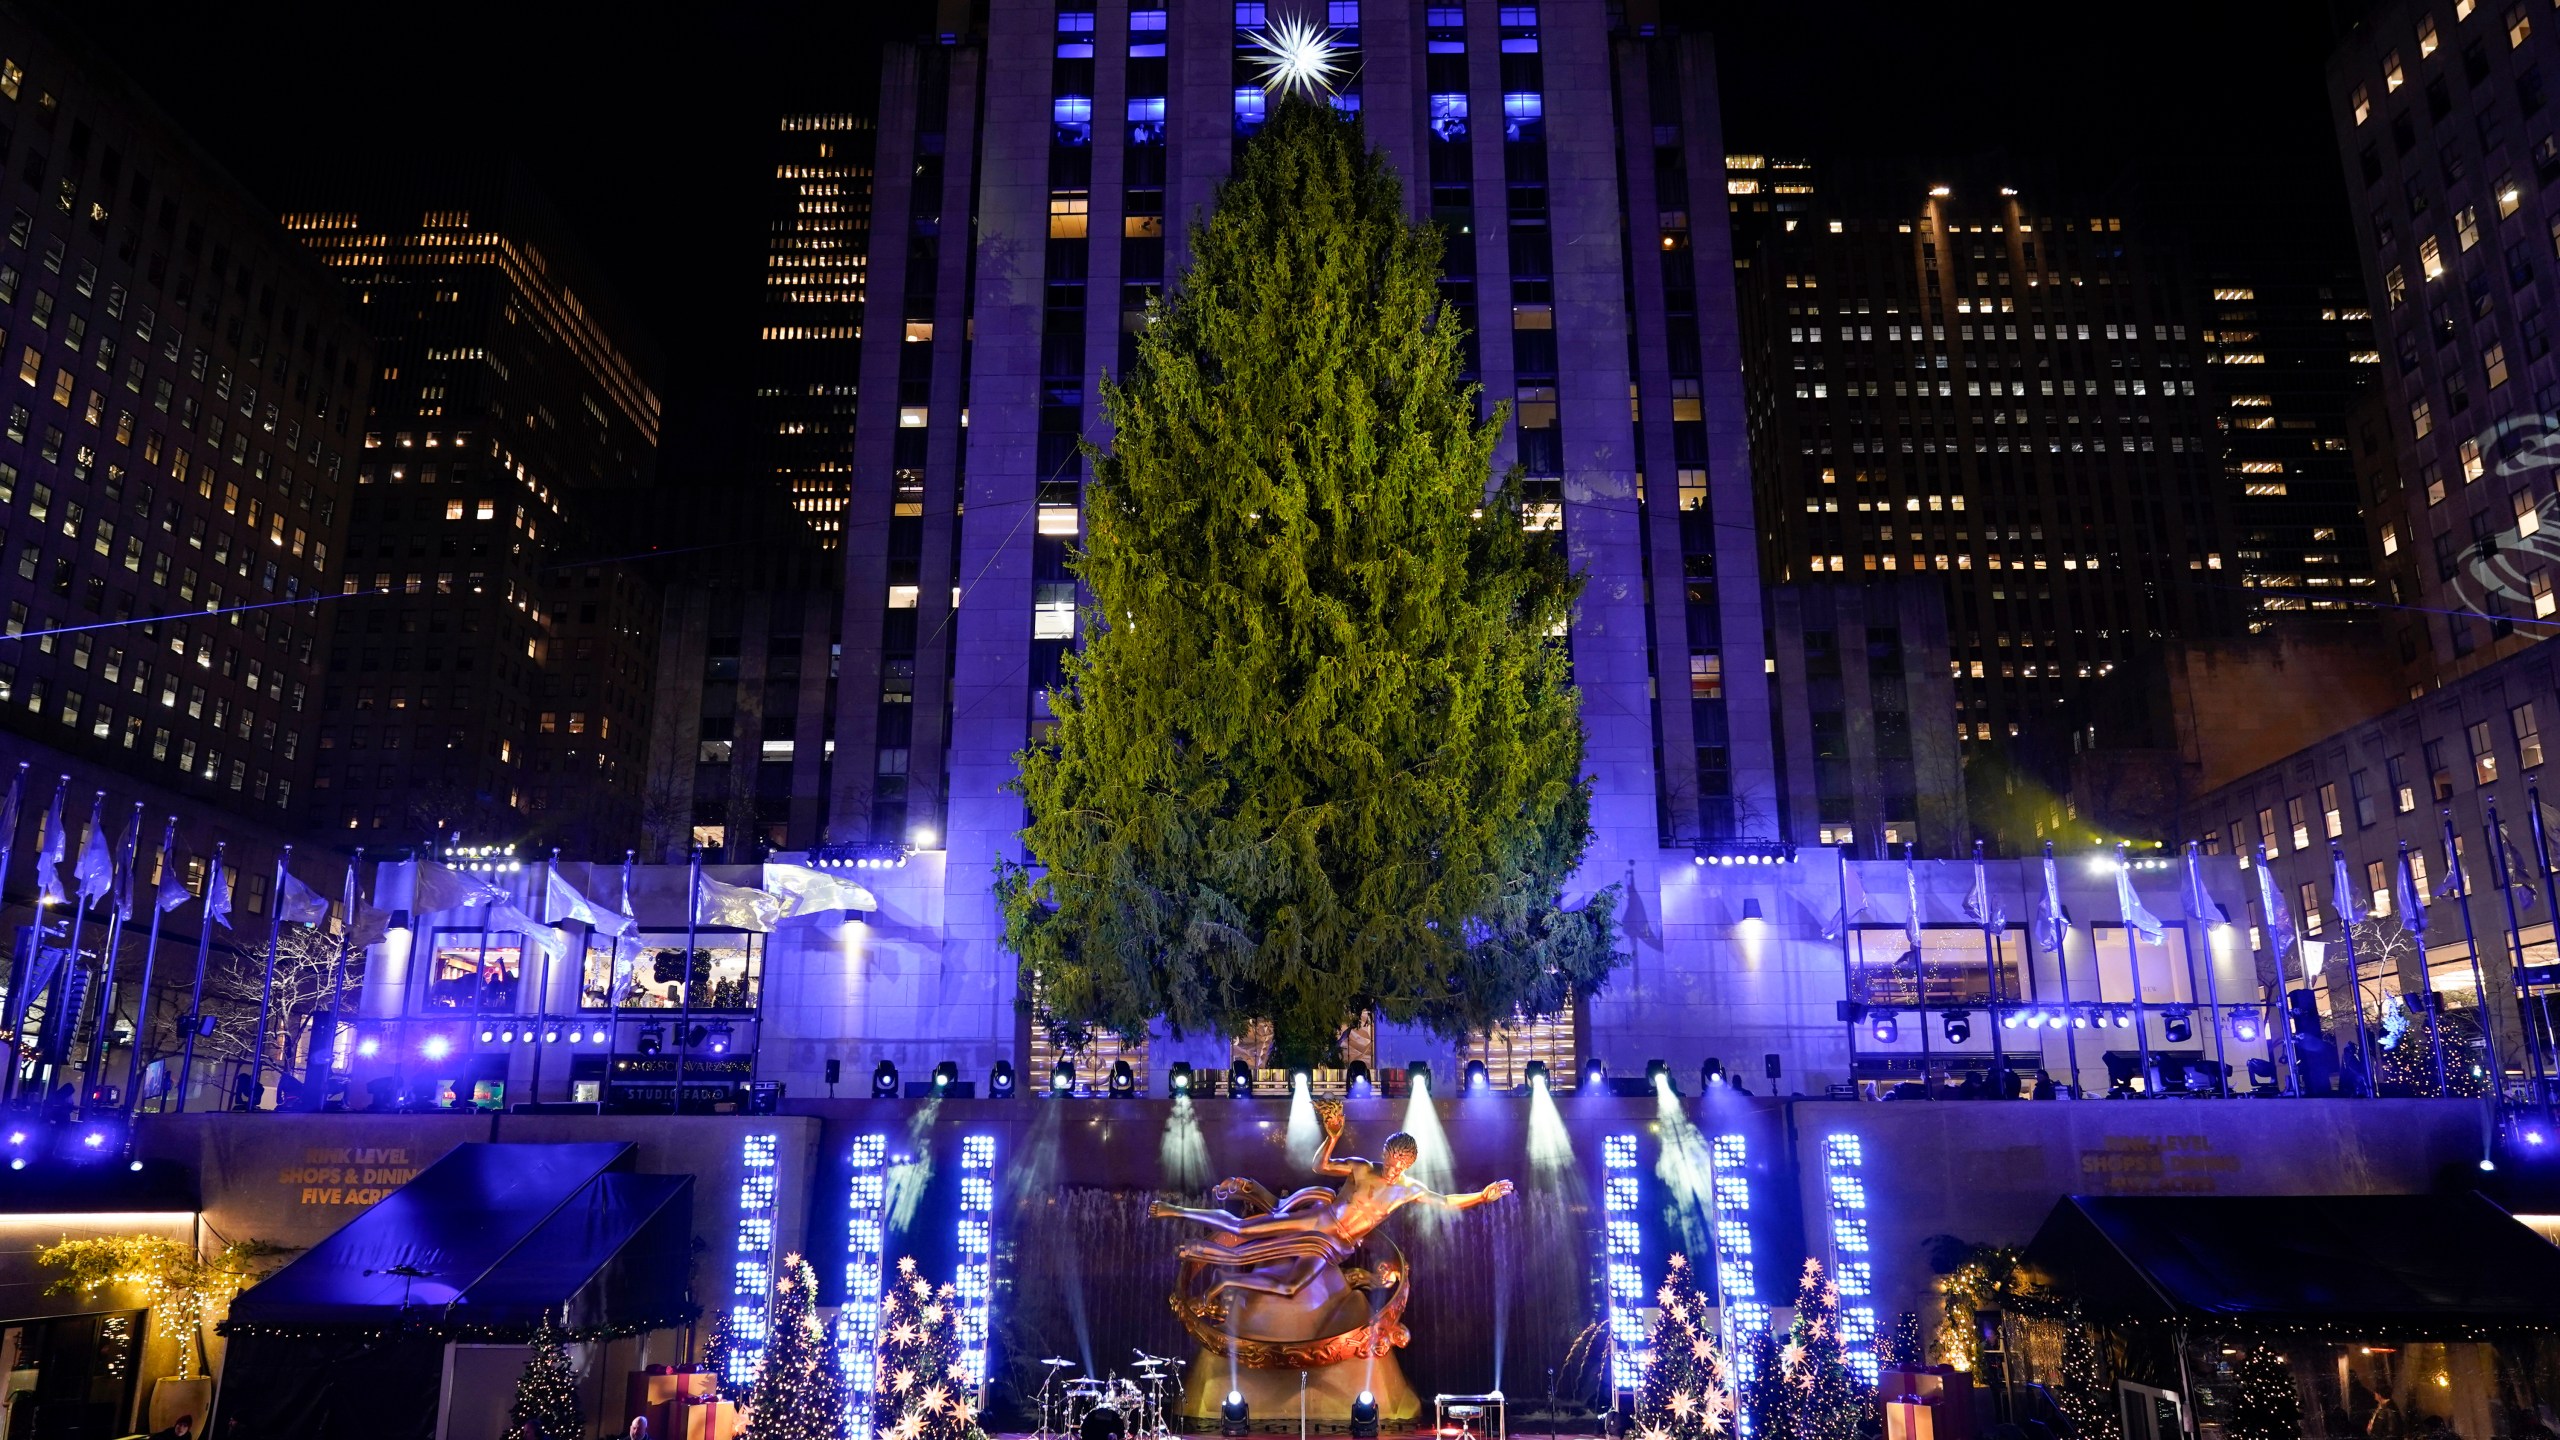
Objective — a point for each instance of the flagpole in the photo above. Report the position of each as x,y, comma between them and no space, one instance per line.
150,957
1919,969
2062,974
2133,943
2479,977
2551,896
542,997
613,987
2426,972
20,1002
204,947
2269,886
8,848
2498,848
2212,985
684,1021
1991,973
338,984
2355,972
267,989
93,1065
69,1026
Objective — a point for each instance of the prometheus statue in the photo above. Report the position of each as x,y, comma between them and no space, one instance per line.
1281,1285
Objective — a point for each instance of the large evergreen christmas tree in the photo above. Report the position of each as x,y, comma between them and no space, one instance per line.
2087,1401
800,1384
1830,1400
2266,1405
1685,1392
924,1391
1319,754
547,1390
1769,1397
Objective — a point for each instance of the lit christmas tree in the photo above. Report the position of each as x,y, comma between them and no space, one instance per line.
2084,1395
1769,1396
721,1356
1685,1393
1830,1401
547,1391
924,1391
1900,1347
2267,1406
799,1387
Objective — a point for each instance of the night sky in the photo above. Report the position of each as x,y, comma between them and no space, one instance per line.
653,128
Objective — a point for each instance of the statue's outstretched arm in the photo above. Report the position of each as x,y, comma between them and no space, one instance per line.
1329,1113
1472,1198
1214,1219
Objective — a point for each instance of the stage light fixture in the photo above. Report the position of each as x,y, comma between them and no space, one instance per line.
1240,1080
1657,1076
694,1037
2244,1023
653,1038
1062,1078
368,1047
1364,1417
1476,1079
1124,1080
2079,1019
1533,1076
1883,1025
436,1047
1000,1080
551,1036
1233,1418
19,1163
945,1075
2124,1019
1301,1078
1417,1078
2013,1020
488,1034
1710,1074
1595,1075
884,1079
2177,1026
94,1139
1177,1077
134,1166
722,1037
1957,1025
1355,1079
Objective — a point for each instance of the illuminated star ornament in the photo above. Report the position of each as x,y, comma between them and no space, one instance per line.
1299,58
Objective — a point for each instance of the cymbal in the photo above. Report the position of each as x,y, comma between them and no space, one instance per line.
1053,1362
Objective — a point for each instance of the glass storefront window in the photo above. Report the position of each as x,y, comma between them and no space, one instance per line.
728,972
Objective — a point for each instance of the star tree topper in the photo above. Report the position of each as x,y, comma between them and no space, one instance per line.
1299,57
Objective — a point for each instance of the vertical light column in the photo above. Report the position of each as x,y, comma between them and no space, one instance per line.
866,1240
976,1250
751,1293
1739,1308
1626,1273
1844,1184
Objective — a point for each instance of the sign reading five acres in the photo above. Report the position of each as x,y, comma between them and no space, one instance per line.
348,1174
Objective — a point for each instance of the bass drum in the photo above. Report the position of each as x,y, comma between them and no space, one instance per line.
1103,1422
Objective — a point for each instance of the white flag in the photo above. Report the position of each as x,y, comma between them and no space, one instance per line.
807,891
2136,919
561,901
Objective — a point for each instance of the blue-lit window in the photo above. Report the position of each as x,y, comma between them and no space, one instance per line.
1075,34
1346,102
1249,108
1146,20
1146,33
1342,12
1146,121
1449,116
1519,29
1445,16
1524,116
1249,14
1073,116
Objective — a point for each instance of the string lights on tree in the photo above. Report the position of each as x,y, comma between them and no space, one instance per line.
924,1390
547,1390
181,1288
2084,1395
1687,1391
2267,1406
799,1385
1831,1401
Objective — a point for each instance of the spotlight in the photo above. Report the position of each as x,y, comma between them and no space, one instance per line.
1533,1076
2012,1020
1355,1079
1240,1080
1710,1074
1301,1078
135,1166
1233,1417
505,1037
884,1077
1595,1075
551,1036
2244,1023
1958,1026
1657,1076
20,1163
1475,1081
1364,1417
436,1047
1417,1078
2177,1026
1177,1077
368,1047
488,1035
1000,1081
653,1038
1883,1026
17,1137
1062,1078
1124,1081
2079,1019
721,1038
2123,1019
94,1139
577,1035
945,1075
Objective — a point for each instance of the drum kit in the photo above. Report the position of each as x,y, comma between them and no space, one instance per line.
1093,1408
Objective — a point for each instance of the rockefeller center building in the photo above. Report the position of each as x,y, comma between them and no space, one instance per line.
1570,152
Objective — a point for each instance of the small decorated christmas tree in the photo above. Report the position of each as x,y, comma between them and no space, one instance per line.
1685,1392
800,1386
2087,1401
1769,1397
547,1391
722,1359
924,1390
2267,1406
1901,1348
1830,1400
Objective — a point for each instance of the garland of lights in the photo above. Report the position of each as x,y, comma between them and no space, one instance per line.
178,1286
422,1325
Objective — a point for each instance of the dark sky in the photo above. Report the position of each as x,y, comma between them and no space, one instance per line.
652,125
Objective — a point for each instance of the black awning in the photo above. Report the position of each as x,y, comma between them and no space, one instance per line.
2405,1266
488,1239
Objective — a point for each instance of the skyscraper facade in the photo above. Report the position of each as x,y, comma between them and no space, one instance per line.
1046,165
494,684
2012,400
2444,122
809,342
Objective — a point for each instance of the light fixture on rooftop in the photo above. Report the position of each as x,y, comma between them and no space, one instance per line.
1940,192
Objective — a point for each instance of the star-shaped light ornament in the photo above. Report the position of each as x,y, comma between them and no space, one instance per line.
1299,57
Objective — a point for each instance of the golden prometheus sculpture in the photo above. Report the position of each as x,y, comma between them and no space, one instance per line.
1299,1284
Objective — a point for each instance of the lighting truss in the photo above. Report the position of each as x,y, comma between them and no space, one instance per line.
976,1236
1844,1184
1626,1272
751,1293
866,1241
1739,1307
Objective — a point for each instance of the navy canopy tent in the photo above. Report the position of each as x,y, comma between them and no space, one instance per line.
349,1338
2412,1267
